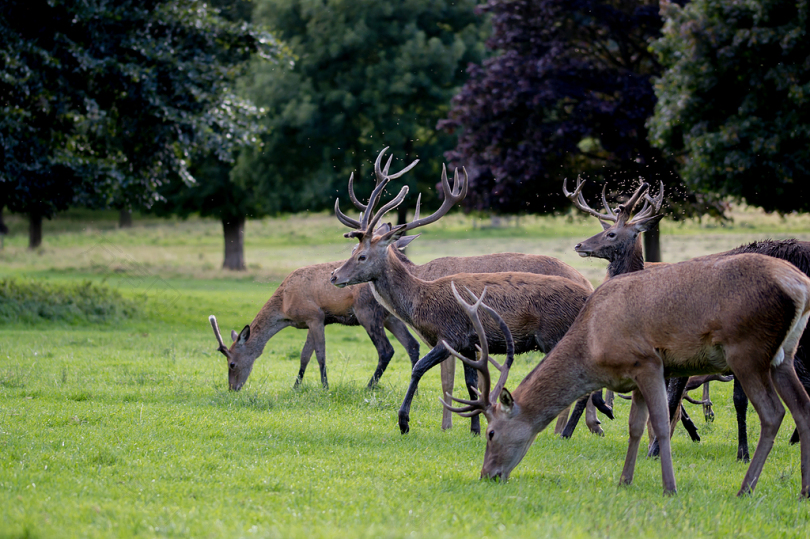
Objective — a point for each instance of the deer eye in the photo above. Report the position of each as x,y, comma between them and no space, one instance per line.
361,258
232,365
491,434
611,235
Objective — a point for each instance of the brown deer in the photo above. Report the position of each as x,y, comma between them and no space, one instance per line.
306,300
620,243
540,307
742,313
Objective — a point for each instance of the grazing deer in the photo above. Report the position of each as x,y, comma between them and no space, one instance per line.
539,308
620,243
306,300
742,313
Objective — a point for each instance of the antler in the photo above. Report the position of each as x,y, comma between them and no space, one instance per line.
652,205
451,198
485,397
382,180
222,348
579,201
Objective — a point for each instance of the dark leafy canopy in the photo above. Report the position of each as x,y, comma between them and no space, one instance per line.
368,74
734,101
569,92
102,101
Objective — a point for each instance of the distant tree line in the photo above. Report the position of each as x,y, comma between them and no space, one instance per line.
172,106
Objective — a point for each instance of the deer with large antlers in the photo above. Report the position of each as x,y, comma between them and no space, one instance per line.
539,308
621,245
742,314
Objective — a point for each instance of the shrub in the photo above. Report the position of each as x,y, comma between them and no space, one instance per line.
32,301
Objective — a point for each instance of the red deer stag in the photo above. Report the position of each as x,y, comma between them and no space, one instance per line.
742,313
540,307
492,263
620,244
306,300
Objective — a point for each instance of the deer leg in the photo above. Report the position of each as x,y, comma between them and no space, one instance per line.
562,420
708,412
741,408
797,401
319,341
471,378
609,398
687,423
654,388
568,431
675,388
590,417
601,405
374,327
759,389
306,355
637,420
448,370
431,359
399,330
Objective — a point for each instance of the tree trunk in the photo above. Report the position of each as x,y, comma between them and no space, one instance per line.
3,227
234,229
124,218
34,230
652,245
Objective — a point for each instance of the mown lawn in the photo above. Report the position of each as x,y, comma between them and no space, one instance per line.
127,429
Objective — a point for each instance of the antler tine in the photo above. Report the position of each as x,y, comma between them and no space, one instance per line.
451,198
385,209
652,205
579,201
605,202
222,348
356,201
510,353
382,180
346,220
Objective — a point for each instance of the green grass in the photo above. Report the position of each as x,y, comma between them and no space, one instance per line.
126,429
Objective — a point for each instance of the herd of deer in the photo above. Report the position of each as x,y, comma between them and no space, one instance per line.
741,312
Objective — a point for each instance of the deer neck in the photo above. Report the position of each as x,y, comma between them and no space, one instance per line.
629,262
395,288
269,321
559,380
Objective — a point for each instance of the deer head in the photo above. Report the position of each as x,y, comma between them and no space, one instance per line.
619,239
509,432
240,355
367,258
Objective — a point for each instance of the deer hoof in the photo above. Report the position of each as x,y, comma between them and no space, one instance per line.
404,419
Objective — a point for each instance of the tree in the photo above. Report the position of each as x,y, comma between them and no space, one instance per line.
367,74
734,101
568,93
104,102
213,195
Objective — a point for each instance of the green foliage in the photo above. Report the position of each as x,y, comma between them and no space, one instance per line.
35,301
734,101
367,74
105,101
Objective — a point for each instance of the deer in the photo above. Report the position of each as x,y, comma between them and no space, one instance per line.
742,314
621,245
540,307
306,300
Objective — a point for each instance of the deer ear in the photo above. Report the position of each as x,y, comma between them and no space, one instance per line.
234,335
244,335
506,400
643,225
405,240
605,224
393,235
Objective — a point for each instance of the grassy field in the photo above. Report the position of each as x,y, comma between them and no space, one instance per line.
126,428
